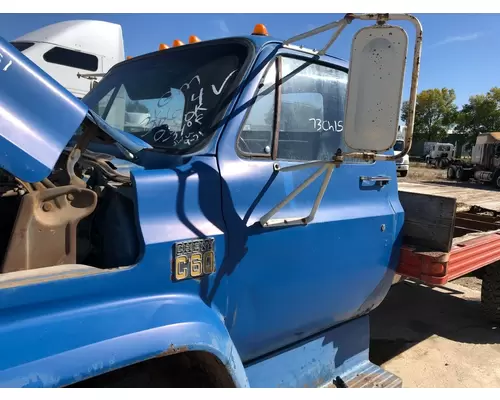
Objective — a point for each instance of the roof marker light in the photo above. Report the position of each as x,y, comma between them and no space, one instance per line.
194,39
260,30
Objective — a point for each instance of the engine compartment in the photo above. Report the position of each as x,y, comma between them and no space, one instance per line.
82,213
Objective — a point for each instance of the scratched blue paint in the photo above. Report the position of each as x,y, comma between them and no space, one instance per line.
274,295
159,323
315,362
324,272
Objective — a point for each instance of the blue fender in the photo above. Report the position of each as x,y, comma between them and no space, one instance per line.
157,326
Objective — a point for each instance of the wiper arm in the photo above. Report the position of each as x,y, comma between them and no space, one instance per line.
128,154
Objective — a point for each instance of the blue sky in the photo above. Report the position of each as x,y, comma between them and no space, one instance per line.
460,51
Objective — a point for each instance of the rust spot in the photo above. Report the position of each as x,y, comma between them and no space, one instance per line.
172,350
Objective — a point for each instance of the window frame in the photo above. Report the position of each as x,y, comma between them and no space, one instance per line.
274,62
278,62
233,90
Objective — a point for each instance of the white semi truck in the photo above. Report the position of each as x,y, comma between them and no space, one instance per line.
77,54
485,164
439,154
66,50
403,163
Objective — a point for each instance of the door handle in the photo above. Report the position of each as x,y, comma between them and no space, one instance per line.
378,180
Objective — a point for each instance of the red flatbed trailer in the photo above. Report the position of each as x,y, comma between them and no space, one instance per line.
441,242
438,268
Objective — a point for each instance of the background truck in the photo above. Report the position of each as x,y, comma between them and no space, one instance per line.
76,56
65,50
215,247
439,154
403,163
485,163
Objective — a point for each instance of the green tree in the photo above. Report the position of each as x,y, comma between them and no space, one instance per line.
435,114
480,114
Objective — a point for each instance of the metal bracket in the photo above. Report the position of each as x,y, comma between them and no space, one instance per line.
328,166
91,76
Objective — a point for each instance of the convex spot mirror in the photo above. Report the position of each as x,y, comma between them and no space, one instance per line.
374,89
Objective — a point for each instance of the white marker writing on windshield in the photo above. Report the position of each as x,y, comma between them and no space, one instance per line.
217,92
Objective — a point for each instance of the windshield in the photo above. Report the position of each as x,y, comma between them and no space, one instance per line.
172,99
399,145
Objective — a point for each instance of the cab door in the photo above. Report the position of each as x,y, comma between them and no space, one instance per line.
287,283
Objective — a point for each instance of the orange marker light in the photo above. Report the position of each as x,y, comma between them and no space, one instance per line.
177,43
260,30
129,57
194,39
163,46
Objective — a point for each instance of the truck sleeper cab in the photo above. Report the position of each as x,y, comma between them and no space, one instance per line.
168,261
69,48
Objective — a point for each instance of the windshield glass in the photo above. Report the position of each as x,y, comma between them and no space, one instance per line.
399,145
172,99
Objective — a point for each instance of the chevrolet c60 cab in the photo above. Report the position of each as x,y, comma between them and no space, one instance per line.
237,236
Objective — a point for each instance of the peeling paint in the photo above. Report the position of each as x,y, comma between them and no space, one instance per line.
173,350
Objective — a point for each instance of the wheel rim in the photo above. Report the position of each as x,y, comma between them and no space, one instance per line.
450,173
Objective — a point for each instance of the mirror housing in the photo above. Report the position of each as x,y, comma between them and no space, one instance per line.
375,87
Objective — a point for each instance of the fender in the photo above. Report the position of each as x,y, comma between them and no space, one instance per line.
161,326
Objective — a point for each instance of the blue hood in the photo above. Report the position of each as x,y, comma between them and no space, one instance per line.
38,117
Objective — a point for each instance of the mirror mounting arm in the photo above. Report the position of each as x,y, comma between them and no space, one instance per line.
381,19
327,166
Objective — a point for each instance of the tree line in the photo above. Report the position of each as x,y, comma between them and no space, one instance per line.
436,114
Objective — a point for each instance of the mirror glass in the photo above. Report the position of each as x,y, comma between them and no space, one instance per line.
374,89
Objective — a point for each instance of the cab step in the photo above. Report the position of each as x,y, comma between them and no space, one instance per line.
368,375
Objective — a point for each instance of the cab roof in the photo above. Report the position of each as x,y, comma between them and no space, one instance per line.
260,41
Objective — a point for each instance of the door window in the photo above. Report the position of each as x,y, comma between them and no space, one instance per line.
308,109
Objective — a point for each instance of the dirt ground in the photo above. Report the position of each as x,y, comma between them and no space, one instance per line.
422,179
419,172
438,337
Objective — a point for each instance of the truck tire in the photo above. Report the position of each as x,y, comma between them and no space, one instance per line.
490,292
403,173
459,173
496,179
442,163
451,173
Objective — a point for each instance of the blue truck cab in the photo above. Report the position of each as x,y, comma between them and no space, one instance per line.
136,255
